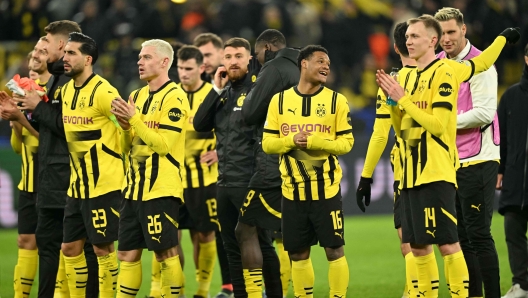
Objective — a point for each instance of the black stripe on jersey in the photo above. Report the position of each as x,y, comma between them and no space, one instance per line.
146,105
343,132
188,176
472,70
209,135
406,80
168,127
35,170
440,142
289,171
416,82
281,102
132,178
25,169
93,93
136,95
95,164
431,79
319,171
414,157
173,88
442,104
85,182
87,135
199,170
190,97
423,150
154,169
331,162
306,106
383,116
77,188
272,131
142,167
127,176
334,102
63,90
173,161
110,152
74,101
306,179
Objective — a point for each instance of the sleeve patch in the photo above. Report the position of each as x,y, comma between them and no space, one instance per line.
445,89
175,115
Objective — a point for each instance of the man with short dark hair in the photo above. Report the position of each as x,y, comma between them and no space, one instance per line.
309,125
212,48
221,111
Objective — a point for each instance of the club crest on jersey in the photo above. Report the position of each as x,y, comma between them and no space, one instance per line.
253,78
154,107
57,92
175,115
240,100
320,111
82,103
445,89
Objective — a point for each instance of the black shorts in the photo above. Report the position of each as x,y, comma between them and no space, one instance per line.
397,205
199,210
149,224
27,212
95,218
304,223
262,208
429,214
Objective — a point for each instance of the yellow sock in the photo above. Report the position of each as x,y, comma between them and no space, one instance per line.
253,281
457,271
61,284
25,271
171,277
155,280
77,273
446,274
108,270
411,276
303,278
206,262
285,266
428,278
197,275
129,280
338,277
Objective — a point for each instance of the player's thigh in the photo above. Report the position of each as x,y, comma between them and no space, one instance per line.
27,212
297,230
202,207
74,228
262,208
434,213
101,217
158,222
326,217
130,230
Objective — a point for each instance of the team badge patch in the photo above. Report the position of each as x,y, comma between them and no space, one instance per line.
320,111
445,89
253,78
240,100
57,92
175,115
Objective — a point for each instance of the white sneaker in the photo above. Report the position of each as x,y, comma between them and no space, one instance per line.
516,292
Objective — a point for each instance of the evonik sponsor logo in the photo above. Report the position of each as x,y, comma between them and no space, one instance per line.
77,120
295,128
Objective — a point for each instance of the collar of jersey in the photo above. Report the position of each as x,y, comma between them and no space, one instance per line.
160,88
85,82
192,92
308,95
428,66
410,66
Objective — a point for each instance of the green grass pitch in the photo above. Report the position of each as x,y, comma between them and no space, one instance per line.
372,250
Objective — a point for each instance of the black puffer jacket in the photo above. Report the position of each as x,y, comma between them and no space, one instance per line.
513,123
234,138
277,74
53,156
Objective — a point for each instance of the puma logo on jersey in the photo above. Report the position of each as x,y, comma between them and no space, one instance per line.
339,234
102,232
158,239
476,207
431,233
456,293
242,211
422,293
293,111
181,101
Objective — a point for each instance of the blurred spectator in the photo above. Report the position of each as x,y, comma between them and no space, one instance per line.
161,20
92,22
120,18
27,21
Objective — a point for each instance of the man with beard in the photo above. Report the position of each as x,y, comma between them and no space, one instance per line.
221,111
54,166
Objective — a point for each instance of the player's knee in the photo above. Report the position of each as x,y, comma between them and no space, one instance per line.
405,249
129,255
206,237
27,241
71,249
300,255
162,255
334,253
449,249
103,249
244,232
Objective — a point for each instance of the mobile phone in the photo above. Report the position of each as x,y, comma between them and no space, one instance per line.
223,74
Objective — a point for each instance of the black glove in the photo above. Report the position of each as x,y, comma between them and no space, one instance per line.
254,68
363,190
512,35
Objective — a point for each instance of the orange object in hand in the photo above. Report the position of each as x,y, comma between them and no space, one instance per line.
27,83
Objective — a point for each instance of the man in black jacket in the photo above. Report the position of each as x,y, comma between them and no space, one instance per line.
221,111
262,208
512,179
54,166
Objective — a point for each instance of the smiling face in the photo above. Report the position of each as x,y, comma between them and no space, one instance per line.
236,61
316,68
39,57
453,38
150,63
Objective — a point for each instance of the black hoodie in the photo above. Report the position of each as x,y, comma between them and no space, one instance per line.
513,122
53,156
